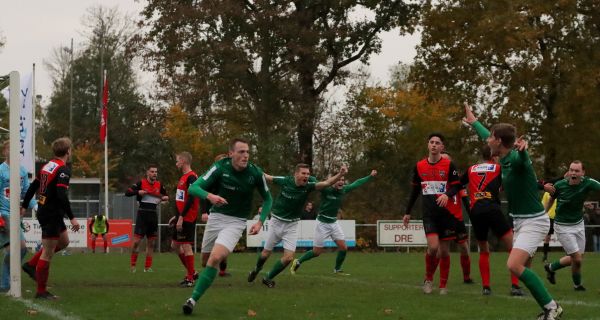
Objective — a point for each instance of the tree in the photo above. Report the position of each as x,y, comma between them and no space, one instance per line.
531,63
133,126
182,135
262,66
386,127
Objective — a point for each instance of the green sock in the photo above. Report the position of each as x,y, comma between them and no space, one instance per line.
576,278
555,266
205,279
260,263
277,268
307,256
339,260
536,286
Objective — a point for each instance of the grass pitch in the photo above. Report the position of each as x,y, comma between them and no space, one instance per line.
381,286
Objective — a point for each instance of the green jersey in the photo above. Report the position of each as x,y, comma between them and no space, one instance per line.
518,180
570,198
237,187
331,200
288,205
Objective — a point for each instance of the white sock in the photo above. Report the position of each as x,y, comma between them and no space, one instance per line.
551,305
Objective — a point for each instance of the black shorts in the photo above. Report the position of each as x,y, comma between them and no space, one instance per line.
440,222
52,226
146,225
461,232
99,234
484,219
186,235
551,231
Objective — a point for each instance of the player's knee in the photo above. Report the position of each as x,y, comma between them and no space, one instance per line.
514,267
432,249
62,244
286,259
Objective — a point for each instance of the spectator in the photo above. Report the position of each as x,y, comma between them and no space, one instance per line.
309,212
594,219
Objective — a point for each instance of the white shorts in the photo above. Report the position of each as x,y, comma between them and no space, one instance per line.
324,231
529,233
571,237
224,230
279,230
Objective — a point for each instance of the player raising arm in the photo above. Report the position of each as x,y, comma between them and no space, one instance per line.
531,223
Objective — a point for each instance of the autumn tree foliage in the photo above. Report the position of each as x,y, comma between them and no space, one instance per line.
531,63
261,67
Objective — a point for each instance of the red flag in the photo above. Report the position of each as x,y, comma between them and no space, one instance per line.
104,116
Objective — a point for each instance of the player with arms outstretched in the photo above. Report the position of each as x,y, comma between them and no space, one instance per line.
570,195
287,211
327,225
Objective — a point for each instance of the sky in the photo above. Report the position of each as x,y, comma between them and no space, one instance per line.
33,29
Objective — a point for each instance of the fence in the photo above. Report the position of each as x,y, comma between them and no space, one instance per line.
366,239
122,207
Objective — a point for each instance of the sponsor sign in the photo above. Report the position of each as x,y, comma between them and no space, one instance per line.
306,234
393,233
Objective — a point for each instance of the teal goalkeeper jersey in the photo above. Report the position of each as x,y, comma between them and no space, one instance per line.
237,187
289,203
332,198
570,199
518,180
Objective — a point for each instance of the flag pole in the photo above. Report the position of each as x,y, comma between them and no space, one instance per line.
34,105
105,158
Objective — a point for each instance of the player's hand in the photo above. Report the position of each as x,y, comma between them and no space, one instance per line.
142,192
343,170
204,217
549,187
373,173
74,225
521,144
164,198
179,225
23,211
255,229
216,200
442,200
406,219
469,116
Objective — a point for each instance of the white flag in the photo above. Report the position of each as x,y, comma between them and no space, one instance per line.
25,122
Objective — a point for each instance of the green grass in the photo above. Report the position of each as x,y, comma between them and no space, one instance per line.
381,286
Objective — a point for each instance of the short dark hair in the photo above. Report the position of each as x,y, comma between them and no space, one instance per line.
233,141
579,162
301,166
151,165
436,134
506,132
61,146
486,152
